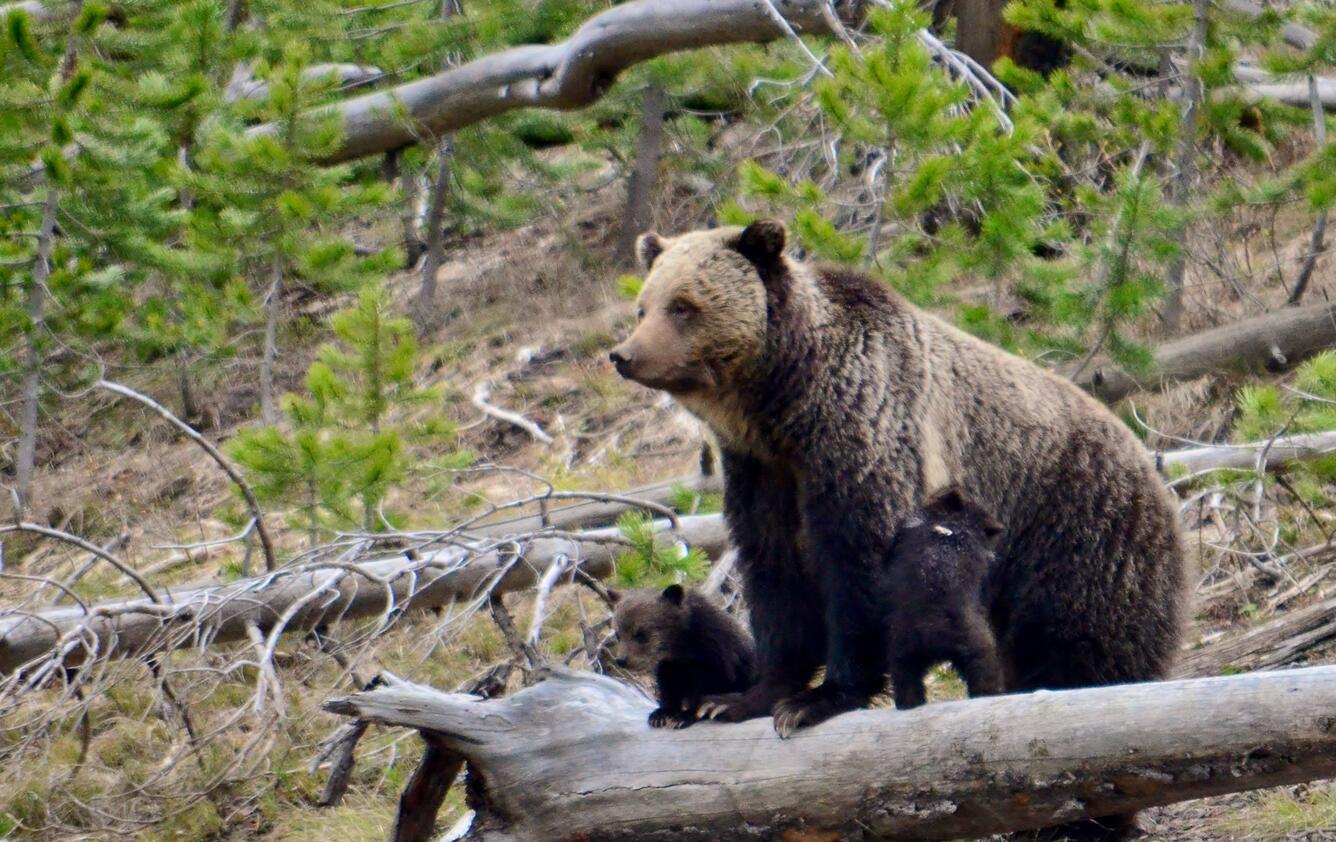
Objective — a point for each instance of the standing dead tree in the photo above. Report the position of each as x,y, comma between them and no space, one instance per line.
542,767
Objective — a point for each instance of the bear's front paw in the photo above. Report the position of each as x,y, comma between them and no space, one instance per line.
811,707
738,707
665,718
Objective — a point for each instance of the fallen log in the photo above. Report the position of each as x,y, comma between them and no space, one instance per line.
1271,341
1275,452
572,758
305,596
221,613
1276,643
594,512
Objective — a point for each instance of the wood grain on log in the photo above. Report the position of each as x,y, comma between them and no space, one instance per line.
572,758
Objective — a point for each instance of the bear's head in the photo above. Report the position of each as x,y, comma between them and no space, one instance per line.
648,624
950,517
702,311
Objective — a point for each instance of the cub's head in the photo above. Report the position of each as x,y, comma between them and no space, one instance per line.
949,517
647,624
702,311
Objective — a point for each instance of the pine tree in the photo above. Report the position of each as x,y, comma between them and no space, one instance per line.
351,437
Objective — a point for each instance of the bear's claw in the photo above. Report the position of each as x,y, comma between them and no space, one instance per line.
814,706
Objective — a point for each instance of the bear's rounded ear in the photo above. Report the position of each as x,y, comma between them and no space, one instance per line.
614,597
674,594
648,247
763,241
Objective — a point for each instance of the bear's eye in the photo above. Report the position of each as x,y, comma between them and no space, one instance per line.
640,637
681,310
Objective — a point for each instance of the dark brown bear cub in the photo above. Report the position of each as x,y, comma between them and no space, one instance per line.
689,644
934,587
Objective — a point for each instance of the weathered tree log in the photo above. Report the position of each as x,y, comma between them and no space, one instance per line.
572,758
1243,456
311,595
1276,643
564,76
220,613
1271,341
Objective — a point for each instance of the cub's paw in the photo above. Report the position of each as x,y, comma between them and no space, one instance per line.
664,718
737,707
814,706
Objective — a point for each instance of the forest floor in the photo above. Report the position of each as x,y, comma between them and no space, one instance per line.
532,312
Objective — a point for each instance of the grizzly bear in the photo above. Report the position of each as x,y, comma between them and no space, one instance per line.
934,588
689,644
838,407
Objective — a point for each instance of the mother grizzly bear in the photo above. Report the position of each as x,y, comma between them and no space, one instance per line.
838,407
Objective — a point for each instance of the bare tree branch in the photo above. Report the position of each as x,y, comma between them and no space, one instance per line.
270,559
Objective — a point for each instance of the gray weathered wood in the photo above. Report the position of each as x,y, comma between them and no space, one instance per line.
572,757
564,76
1274,340
223,612
1243,456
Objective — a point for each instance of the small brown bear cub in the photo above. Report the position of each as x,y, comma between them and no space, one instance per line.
689,644
934,587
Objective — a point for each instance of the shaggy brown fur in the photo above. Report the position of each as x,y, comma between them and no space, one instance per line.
839,407
688,643
934,588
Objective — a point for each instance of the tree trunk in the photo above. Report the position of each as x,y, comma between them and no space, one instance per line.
980,30
640,188
272,302
567,75
32,361
434,255
573,758
222,613
1317,243
1185,161
1243,456
1270,341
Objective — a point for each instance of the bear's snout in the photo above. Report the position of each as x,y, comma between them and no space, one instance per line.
623,358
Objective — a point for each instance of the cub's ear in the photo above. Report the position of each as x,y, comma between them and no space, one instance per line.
674,594
648,247
763,241
614,596
949,499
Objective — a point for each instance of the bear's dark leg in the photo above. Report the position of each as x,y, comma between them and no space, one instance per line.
907,682
977,657
678,696
761,508
855,631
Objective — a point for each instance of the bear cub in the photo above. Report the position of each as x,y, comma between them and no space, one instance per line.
688,643
934,594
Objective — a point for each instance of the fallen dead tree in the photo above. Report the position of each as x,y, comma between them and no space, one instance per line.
1273,452
542,766
1276,643
1272,341
304,596
300,597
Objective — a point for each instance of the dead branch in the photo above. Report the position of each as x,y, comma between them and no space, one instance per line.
480,395
301,597
1271,341
46,531
563,76
541,767
270,558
